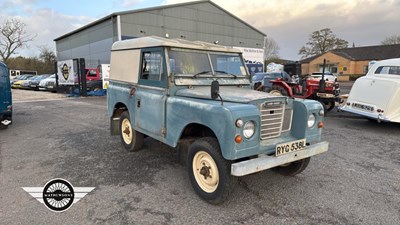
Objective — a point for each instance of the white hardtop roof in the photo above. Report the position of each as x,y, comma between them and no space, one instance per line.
154,41
386,62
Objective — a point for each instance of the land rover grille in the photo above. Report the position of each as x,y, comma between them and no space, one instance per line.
275,119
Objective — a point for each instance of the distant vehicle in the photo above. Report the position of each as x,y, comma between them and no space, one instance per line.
17,84
26,84
44,83
34,84
93,79
5,97
261,81
376,95
15,73
328,76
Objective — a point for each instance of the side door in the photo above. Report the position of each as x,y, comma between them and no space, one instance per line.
151,93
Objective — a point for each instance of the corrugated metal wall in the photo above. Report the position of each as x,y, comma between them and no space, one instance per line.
201,21
93,44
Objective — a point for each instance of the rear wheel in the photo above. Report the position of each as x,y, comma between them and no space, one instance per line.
278,90
131,139
209,172
293,168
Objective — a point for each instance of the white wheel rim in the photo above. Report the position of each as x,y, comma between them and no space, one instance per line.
276,92
126,131
205,171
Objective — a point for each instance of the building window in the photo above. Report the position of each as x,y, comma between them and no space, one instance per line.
365,69
334,69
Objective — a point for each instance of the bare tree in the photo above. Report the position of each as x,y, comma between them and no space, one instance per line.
13,35
392,40
321,41
271,49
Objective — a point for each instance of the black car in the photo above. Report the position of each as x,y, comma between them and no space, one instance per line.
263,79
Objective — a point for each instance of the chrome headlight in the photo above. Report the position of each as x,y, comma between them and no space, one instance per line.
311,120
248,129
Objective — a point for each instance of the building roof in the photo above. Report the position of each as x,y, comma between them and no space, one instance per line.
154,41
377,52
150,9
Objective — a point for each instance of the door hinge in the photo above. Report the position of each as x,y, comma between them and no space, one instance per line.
163,131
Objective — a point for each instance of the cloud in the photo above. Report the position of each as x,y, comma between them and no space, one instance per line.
290,22
130,3
46,25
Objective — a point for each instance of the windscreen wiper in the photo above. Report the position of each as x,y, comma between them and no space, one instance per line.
223,72
203,72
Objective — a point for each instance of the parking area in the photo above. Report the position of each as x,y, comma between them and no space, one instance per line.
356,182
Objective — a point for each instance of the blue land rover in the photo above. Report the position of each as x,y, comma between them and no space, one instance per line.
197,96
5,97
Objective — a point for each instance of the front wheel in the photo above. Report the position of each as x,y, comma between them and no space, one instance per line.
131,139
278,90
293,168
2,126
209,172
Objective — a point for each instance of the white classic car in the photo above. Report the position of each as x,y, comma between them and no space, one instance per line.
377,95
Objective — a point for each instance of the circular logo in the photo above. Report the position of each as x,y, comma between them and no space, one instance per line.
65,71
58,195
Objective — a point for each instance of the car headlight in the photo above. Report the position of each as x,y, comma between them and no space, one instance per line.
248,129
311,120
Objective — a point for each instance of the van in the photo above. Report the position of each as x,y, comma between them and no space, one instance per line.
5,97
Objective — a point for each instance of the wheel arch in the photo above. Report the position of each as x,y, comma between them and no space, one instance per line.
119,108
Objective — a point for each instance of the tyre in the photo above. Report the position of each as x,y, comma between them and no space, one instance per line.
209,172
2,126
131,140
278,90
293,168
329,105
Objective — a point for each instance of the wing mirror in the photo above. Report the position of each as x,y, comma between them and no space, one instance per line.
214,89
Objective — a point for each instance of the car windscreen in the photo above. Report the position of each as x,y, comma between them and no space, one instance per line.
193,62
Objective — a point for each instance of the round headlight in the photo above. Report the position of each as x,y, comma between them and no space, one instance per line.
311,120
248,129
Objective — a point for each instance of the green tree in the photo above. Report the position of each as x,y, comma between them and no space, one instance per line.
392,40
321,41
13,35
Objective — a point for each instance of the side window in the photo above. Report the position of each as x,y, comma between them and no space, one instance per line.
392,70
152,67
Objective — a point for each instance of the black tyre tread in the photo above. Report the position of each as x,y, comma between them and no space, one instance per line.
330,105
137,142
224,168
294,168
3,127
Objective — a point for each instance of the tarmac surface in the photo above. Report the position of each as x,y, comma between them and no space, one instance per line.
356,182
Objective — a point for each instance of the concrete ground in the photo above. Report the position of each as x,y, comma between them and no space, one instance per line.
356,182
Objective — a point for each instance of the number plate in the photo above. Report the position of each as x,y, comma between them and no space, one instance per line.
289,147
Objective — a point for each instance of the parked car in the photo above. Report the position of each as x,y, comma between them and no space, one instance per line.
328,76
18,83
20,77
26,84
199,100
44,83
5,97
376,95
261,81
34,84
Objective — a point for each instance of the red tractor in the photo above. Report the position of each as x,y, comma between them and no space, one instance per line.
326,92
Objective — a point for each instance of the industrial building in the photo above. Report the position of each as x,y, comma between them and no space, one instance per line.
198,20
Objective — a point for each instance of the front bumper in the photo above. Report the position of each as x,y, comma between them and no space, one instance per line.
267,162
